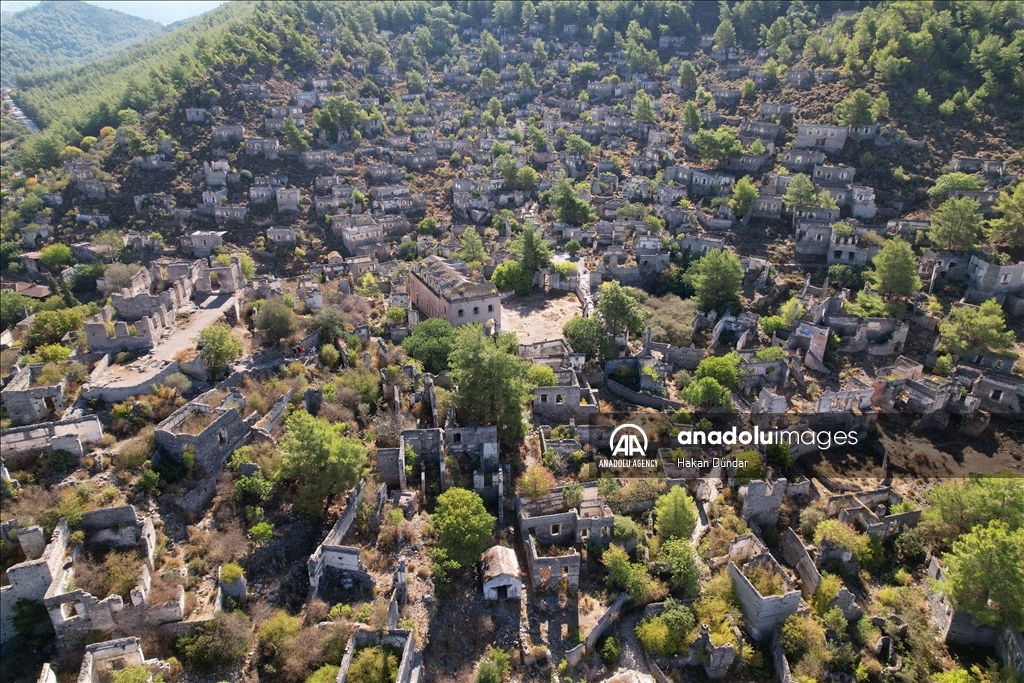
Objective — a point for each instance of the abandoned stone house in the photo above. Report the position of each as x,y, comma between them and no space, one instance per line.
229,213
216,173
441,290
800,160
253,90
195,114
986,280
813,238
288,199
770,111
867,131
309,291
268,147
201,243
283,236
550,534
851,249
567,400
871,512
210,426
828,138
31,397
727,97
501,574
862,202
550,521
420,159
765,206
800,78
762,613
989,167
260,194
306,99
102,660
333,562
139,336
761,129
47,577
86,252
222,134
34,238
357,231
833,176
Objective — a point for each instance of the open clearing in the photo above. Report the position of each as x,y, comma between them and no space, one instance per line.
539,317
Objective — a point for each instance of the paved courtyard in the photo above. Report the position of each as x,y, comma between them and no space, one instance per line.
539,316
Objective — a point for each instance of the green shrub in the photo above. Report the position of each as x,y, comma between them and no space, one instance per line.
276,631
262,532
611,651
329,356
221,641
61,460
136,674
624,528
340,611
230,572
325,674
254,489
373,665
845,536
150,481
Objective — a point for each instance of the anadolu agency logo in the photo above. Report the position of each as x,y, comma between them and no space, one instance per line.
629,448
625,441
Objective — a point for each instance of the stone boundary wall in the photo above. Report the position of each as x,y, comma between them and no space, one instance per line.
646,400
398,639
331,552
565,566
18,441
795,553
116,394
762,613
779,661
603,623
30,580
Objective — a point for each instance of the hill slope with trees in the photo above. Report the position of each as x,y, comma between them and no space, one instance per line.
54,34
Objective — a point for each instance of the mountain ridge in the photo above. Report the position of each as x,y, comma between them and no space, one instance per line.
51,35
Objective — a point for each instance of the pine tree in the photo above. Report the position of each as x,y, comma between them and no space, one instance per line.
643,109
895,270
744,193
472,246
956,224
799,193
687,76
691,116
1009,228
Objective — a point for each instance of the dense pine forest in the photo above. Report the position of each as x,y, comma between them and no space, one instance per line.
55,34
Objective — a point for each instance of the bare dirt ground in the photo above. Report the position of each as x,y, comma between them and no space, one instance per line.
539,317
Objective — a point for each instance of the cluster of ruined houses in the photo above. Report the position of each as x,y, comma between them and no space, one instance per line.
368,209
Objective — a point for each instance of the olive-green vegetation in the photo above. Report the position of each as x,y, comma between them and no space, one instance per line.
320,459
463,525
56,34
492,380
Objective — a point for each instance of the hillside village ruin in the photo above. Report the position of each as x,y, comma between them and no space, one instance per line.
370,219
